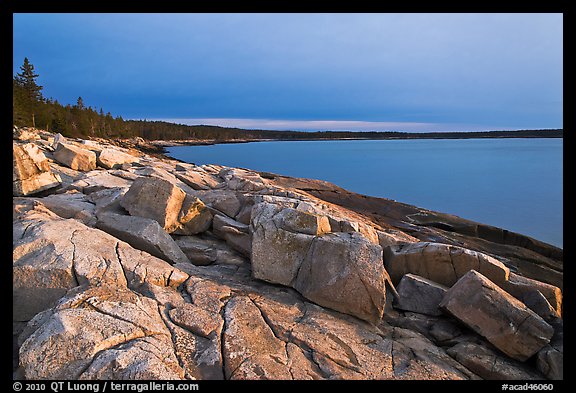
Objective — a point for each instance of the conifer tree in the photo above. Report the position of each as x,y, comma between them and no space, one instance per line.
27,94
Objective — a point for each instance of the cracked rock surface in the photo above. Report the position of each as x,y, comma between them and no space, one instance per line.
139,267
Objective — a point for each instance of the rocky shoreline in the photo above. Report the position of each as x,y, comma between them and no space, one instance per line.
131,265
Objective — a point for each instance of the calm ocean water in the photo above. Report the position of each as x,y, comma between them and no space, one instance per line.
514,184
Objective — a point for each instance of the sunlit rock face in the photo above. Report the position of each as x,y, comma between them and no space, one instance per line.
128,266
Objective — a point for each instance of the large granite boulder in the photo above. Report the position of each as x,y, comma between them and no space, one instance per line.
343,271
281,238
31,172
499,317
143,234
527,290
441,263
161,200
111,158
419,295
538,303
75,157
223,201
196,177
155,198
194,217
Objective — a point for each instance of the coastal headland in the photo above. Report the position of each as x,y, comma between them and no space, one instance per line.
130,265
171,134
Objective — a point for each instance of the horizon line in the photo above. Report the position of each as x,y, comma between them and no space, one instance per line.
340,125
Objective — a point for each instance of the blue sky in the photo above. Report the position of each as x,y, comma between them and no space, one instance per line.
407,72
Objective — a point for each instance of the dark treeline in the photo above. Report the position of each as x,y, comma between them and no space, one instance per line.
31,109
164,130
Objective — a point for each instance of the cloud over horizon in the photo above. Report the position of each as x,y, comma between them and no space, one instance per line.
484,70
332,125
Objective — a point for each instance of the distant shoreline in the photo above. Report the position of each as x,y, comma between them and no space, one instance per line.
204,134
531,134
